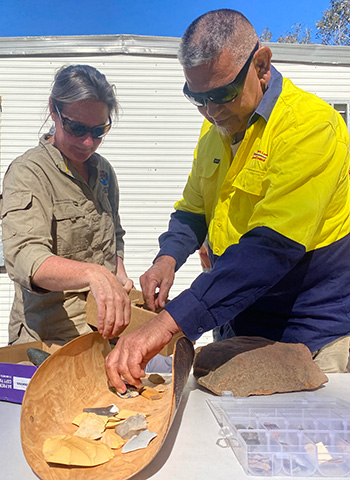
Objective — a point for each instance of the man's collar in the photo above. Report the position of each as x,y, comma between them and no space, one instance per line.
269,99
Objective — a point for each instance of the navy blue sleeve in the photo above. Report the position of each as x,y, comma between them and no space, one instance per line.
185,235
240,276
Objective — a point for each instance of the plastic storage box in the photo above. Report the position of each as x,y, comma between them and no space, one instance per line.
272,436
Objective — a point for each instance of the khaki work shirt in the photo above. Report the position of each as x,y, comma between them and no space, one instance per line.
49,209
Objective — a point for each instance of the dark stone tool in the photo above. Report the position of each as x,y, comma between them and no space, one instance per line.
37,356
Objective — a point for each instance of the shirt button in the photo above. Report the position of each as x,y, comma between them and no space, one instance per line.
219,224
200,330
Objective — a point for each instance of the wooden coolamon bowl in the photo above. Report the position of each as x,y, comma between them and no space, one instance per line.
73,378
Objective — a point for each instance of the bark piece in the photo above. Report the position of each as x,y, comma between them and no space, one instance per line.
256,366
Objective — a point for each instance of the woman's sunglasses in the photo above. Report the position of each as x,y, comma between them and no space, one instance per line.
79,130
223,94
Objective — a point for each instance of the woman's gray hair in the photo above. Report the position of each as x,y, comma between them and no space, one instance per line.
82,82
211,33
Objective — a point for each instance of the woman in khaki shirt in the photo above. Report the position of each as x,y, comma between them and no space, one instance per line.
60,223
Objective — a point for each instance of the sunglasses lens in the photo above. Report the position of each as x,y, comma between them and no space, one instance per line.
224,95
220,95
98,132
79,130
74,128
196,100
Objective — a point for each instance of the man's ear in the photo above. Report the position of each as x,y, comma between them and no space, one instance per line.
262,64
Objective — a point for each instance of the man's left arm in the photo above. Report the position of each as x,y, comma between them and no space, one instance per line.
240,276
305,207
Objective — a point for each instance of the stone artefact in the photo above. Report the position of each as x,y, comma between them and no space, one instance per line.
77,451
139,441
109,411
37,356
132,426
256,366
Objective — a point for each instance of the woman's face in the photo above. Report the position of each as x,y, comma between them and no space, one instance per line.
90,113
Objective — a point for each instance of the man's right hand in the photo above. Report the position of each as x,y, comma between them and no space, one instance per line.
133,351
161,275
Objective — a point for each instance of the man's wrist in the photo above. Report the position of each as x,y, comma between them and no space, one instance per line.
165,320
166,259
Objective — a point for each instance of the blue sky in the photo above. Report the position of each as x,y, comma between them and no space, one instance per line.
147,17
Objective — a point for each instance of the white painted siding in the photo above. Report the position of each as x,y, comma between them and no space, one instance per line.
151,146
326,81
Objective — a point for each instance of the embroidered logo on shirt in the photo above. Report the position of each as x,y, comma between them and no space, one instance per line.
259,155
216,160
103,177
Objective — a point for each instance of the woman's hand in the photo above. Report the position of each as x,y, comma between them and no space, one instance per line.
112,299
122,276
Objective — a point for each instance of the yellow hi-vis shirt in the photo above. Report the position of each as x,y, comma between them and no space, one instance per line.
289,174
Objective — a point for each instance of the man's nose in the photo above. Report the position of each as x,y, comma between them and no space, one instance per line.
213,109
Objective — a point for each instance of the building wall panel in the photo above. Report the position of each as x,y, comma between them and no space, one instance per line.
151,144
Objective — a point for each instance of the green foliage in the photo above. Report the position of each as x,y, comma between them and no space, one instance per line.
299,34
334,27
266,35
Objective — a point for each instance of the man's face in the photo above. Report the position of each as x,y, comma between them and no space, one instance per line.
232,117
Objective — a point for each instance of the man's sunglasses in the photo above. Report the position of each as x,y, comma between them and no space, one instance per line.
223,94
79,130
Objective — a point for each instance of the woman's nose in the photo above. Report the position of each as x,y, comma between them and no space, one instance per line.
88,140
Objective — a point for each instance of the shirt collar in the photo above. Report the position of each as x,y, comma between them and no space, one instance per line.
270,97
54,153
59,158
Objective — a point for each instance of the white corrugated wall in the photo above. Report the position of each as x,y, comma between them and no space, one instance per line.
150,147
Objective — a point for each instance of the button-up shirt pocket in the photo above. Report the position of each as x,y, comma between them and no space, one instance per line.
14,214
69,228
250,181
210,177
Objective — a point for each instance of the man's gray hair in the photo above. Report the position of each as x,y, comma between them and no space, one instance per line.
211,33
82,82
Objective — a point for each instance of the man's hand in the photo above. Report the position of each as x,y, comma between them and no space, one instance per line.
161,275
133,351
